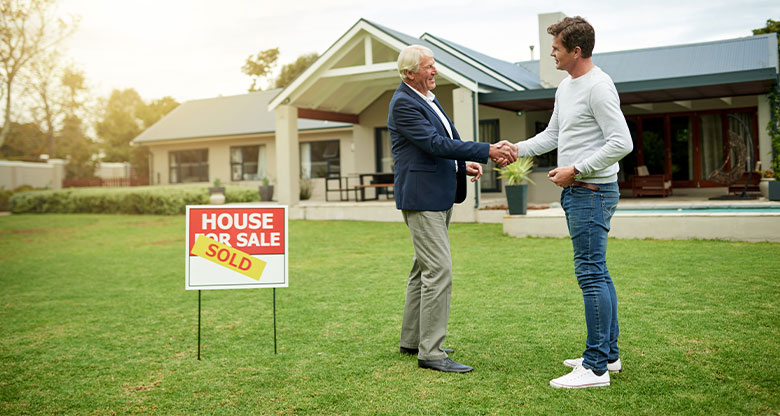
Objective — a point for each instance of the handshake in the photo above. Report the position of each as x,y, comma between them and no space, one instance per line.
503,153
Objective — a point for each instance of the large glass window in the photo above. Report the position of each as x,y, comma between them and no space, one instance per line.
549,159
653,144
489,133
189,166
247,163
384,152
682,148
712,146
320,159
628,163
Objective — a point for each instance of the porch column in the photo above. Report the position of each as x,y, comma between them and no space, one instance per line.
764,141
288,164
464,113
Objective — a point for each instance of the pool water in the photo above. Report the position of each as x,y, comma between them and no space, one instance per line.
700,210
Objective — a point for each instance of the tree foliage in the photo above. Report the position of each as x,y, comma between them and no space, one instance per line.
291,71
259,66
773,127
123,117
28,28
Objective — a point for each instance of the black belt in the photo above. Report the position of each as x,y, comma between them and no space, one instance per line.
586,185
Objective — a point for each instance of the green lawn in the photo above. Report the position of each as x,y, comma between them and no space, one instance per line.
95,320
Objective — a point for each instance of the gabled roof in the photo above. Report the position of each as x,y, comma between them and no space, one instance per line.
361,66
444,57
731,67
223,116
518,75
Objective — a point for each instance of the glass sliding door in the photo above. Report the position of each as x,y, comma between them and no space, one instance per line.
653,145
628,163
682,149
712,144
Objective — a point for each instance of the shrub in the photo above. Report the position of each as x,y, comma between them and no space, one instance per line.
158,200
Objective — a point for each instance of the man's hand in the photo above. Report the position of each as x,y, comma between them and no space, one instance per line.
474,169
563,176
503,153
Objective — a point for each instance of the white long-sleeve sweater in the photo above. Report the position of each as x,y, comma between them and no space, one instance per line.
587,127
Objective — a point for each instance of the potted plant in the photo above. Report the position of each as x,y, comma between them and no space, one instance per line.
217,193
266,190
767,177
306,189
516,191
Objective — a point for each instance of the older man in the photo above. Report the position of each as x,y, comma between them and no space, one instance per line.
430,176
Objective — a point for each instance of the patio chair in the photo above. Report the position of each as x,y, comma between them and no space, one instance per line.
644,183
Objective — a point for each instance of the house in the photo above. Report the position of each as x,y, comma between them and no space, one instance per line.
680,102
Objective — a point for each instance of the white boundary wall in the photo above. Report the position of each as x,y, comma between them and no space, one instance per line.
14,174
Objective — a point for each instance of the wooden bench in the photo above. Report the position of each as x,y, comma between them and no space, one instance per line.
645,184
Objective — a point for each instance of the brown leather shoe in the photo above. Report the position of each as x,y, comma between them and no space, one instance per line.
447,365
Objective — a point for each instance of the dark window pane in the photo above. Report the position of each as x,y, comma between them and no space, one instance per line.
653,144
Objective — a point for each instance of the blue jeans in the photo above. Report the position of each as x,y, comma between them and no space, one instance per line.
587,216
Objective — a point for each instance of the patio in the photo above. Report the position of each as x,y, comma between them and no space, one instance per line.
681,216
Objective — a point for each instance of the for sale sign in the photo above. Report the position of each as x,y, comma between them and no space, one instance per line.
236,247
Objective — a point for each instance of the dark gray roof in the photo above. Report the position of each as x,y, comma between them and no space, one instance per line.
223,116
447,59
677,61
724,68
519,74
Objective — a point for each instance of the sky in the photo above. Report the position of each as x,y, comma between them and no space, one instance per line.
193,49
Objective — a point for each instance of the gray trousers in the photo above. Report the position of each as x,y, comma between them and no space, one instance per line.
428,291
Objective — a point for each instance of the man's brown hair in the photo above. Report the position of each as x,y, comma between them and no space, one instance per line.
575,31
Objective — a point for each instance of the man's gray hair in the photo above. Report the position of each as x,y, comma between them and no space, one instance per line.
409,59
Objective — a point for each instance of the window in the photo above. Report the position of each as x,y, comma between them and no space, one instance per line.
488,133
549,159
320,159
189,166
384,152
247,163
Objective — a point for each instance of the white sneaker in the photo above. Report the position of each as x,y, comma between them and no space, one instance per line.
579,378
615,367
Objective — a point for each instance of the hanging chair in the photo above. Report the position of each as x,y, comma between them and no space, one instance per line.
726,178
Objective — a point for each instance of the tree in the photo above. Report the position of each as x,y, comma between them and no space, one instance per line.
259,66
27,29
79,148
24,142
46,110
124,116
773,127
119,125
291,71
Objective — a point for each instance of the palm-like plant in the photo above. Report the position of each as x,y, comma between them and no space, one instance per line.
517,172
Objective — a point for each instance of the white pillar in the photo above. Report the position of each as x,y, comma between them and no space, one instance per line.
58,172
464,116
288,164
764,141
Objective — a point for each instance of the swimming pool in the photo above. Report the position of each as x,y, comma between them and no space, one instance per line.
701,209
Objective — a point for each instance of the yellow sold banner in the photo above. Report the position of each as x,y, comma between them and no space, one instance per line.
229,257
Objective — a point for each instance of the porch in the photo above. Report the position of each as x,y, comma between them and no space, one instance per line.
690,215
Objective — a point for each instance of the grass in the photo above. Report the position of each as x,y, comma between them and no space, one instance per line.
94,319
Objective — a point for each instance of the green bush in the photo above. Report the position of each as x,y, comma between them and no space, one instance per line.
158,200
6,194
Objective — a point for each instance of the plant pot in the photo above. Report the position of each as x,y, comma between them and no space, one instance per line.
266,192
517,198
217,195
774,190
764,186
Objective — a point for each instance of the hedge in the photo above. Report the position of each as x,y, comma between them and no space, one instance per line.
158,200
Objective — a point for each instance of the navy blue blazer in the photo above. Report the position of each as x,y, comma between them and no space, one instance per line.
425,156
